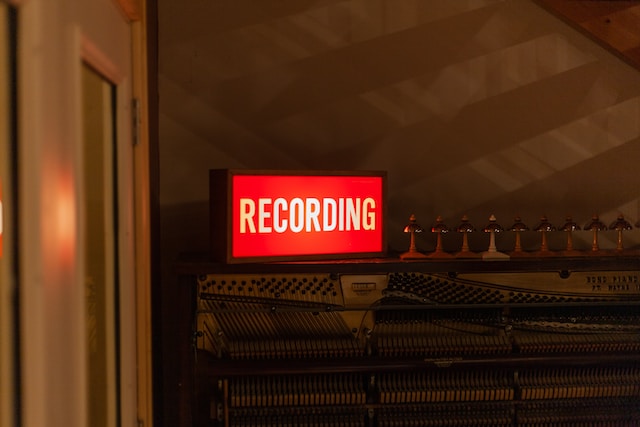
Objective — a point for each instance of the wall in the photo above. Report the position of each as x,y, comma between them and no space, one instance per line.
54,38
474,107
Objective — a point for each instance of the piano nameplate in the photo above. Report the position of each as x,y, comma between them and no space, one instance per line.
587,284
361,289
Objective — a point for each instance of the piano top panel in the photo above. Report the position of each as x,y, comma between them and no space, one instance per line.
199,264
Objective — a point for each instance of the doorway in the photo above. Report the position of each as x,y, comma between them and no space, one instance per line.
101,247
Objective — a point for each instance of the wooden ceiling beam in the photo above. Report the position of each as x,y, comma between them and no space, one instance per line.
131,8
615,24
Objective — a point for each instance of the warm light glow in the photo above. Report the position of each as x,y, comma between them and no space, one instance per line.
59,223
66,221
285,215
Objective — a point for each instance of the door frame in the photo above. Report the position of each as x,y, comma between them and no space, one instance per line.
9,361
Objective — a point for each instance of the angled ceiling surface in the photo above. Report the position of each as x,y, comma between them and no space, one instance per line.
478,107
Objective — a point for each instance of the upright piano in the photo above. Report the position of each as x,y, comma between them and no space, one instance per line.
384,342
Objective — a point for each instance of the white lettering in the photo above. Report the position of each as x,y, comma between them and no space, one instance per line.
296,207
353,214
279,206
310,214
263,215
247,212
329,219
313,210
368,214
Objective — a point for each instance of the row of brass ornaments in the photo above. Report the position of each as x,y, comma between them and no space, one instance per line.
595,225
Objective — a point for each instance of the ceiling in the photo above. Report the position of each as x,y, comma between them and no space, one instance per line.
473,107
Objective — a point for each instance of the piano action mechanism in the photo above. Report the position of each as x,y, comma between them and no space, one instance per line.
388,343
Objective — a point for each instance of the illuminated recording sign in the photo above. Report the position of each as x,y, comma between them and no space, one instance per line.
263,216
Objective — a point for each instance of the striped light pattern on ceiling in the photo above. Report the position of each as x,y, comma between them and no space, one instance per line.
475,106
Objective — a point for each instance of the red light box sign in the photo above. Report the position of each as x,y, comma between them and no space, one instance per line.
262,216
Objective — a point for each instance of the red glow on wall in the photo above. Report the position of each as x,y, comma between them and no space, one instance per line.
304,216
